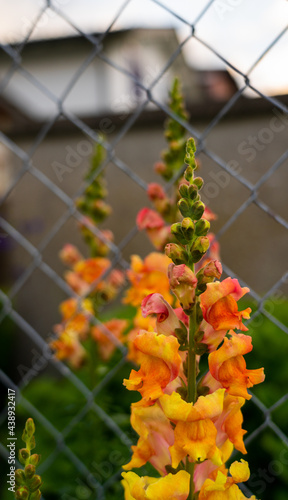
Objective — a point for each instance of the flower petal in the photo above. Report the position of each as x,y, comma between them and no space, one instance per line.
160,364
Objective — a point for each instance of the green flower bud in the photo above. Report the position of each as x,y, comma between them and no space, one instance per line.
203,390
32,443
36,495
34,483
188,174
29,471
184,190
199,314
192,192
188,228
183,392
201,349
22,493
197,210
176,253
199,248
34,459
202,227
30,427
198,181
181,335
185,207
20,477
190,153
23,455
176,229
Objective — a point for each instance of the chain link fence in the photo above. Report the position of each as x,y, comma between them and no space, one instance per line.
223,174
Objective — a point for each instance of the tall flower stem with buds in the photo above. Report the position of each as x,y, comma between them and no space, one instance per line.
187,431
80,340
190,238
27,482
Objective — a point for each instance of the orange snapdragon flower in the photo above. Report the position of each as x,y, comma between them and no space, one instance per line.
148,276
74,327
139,323
221,487
73,319
108,336
229,434
229,423
85,272
67,347
170,487
156,436
195,433
90,270
220,310
219,305
160,364
228,366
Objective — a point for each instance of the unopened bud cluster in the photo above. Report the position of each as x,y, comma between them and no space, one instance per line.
172,157
191,233
92,203
27,481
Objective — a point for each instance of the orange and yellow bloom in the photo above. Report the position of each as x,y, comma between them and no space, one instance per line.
221,487
227,365
170,487
160,365
148,276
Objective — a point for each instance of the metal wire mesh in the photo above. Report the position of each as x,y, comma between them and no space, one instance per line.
14,53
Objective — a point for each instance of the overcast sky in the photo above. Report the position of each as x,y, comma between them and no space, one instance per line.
240,30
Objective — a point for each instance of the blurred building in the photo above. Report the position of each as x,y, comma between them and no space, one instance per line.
79,85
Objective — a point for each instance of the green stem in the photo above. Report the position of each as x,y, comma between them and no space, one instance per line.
191,382
190,468
192,358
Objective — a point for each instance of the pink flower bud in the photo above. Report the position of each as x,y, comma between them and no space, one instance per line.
149,219
176,253
160,167
70,255
183,284
210,271
156,192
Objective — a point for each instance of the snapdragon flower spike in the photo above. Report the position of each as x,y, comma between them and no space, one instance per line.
181,423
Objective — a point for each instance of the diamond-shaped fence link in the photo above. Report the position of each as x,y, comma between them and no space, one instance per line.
210,148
